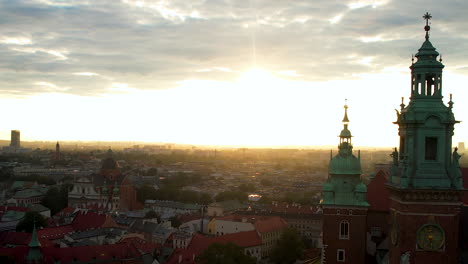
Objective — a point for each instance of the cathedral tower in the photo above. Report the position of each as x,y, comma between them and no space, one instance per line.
425,182
344,205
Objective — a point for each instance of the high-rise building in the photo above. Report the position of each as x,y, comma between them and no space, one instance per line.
461,146
344,205
425,183
15,139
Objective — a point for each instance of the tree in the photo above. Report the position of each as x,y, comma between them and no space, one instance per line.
225,254
152,214
289,248
145,192
175,222
56,199
31,218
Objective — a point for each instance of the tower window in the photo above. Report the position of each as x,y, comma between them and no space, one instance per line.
340,255
431,148
344,230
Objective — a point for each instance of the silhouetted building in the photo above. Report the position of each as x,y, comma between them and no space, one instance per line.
15,139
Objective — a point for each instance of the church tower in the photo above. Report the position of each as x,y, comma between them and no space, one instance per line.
344,205
425,183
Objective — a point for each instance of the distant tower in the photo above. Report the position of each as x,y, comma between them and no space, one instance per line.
425,183
15,139
57,151
344,205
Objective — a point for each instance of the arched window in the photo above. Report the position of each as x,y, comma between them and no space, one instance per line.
344,230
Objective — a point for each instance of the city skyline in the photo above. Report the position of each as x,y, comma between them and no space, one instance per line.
219,73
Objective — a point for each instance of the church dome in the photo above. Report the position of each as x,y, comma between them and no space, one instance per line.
344,164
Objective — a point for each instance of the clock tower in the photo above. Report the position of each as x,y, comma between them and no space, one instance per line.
425,183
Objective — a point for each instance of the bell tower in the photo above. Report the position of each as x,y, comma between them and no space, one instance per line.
344,205
425,183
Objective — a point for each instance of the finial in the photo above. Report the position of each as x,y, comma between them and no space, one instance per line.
427,17
345,118
440,59
402,103
412,58
450,103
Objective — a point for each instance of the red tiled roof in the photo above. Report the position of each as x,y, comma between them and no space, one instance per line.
242,239
88,220
377,193
200,243
141,244
270,224
13,208
89,253
66,211
52,233
186,256
20,239
17,253
14,238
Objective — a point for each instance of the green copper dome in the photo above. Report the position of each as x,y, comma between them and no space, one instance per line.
345,132
344,164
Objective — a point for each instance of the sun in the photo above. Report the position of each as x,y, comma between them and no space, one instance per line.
256,78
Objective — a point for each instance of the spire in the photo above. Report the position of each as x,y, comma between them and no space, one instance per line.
345,118
345,133
34,241
34,254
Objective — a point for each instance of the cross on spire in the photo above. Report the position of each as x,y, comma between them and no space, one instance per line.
427,17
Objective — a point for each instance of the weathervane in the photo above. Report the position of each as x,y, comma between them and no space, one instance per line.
427,17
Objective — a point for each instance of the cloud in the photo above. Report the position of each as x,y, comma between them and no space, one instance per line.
88,46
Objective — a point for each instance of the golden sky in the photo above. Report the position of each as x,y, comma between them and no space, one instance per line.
220,72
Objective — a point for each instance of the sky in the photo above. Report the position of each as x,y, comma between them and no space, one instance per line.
220,72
